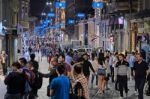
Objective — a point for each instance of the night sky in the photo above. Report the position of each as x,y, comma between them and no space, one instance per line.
36,7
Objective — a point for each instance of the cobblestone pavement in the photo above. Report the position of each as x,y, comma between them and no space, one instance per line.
109,94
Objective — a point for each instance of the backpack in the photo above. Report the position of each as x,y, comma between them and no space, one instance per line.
38,80
27,87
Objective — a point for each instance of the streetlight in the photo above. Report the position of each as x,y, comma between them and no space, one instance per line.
48,3
43,14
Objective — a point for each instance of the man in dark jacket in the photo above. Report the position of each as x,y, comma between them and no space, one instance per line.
35,63
87,66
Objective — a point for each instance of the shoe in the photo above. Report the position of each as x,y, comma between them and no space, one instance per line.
120,97
136,93
126,95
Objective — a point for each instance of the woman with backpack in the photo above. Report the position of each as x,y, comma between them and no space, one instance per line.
15,83
80,83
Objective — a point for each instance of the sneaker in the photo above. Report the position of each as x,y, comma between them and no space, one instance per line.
136,93
120,97
126,95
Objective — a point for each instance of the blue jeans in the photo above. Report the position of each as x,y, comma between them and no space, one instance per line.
12,96
92,80
140,82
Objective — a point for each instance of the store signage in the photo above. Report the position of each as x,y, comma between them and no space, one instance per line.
98,5
60,5
51,14
71,22
81,15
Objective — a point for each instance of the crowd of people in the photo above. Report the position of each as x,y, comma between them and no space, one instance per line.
69,75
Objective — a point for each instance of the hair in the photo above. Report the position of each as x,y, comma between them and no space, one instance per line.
139,54
16,64
78,69
122,55
107,57
23,60
55,58
32,56
61,68
31,63
62,55
80,59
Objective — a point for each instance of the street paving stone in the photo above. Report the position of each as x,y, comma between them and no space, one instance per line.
109,94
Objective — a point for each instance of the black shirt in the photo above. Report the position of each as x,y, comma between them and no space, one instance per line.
35,64
15,83
86,68
140,69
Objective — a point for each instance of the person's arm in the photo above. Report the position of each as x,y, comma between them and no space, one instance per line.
45,75
147,69
91,67
52,87
134,68
8,79
51,92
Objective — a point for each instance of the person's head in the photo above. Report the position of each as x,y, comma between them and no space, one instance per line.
30,65
75,52
77,69
32,56
23,61
101,51
116,53
139,57
107,58
60,69
54,61
133,53
3,52
121,57
96,58
85,56
16,66
61,58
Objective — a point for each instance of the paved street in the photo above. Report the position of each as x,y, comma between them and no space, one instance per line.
109,94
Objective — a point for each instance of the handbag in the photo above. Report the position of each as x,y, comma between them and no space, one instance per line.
74,92
101,71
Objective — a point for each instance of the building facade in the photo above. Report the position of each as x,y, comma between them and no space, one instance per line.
1,28
15,20
73,8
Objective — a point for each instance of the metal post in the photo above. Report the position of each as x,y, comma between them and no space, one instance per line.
130,31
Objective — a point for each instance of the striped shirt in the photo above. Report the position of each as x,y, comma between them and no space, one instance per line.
121,68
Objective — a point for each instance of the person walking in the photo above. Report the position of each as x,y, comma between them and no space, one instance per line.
35,63
102,77
3,60
95,65
121,71
61,59
52,73
87,66
60,86
140,72
107,66
79,77
15,83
